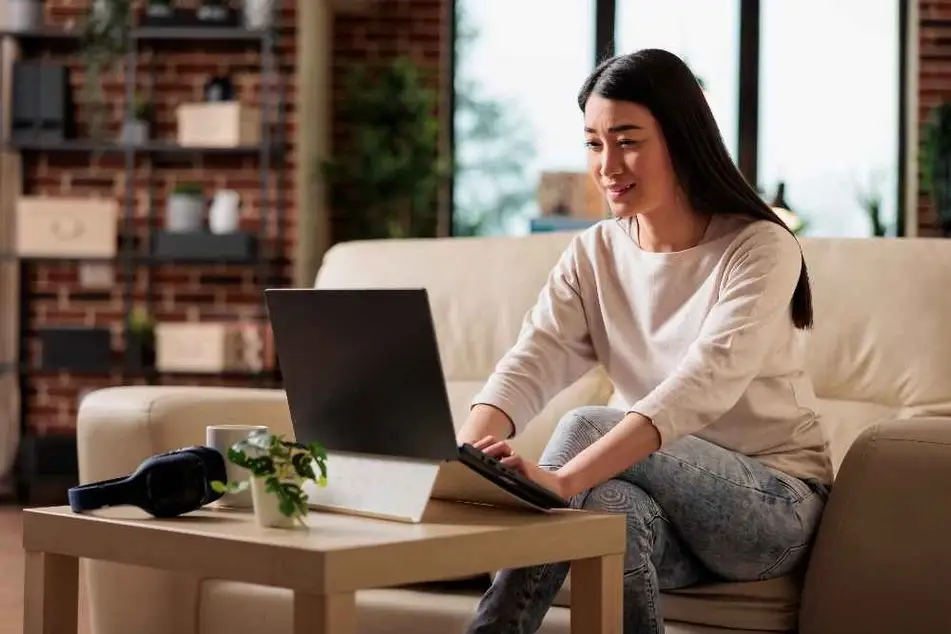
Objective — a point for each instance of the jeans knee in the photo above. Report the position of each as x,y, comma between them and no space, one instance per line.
575,431
597,417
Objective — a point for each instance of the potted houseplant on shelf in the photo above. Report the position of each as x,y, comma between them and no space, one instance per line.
140,342
135,131
104,42
279,468
185,210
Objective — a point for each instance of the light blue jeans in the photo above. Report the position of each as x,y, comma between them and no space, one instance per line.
696,512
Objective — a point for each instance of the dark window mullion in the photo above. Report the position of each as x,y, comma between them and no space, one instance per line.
605,14
748,123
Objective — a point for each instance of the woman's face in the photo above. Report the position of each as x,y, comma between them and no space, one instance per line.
627,157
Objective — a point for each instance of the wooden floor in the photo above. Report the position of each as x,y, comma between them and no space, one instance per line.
11,573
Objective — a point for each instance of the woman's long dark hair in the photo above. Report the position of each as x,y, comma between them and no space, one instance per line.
661,82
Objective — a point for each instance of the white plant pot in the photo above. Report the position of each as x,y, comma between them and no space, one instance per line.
184,212
134,132
23,15
267,510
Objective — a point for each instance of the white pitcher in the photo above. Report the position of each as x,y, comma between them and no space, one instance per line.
225,213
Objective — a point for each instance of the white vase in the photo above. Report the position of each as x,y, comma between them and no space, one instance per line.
258,14
267,510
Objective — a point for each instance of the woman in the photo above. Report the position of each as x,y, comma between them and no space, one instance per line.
693,297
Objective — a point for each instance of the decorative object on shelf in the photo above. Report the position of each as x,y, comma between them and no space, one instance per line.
279,468
936,163
218,124
23,15
159,9
224,216
66,227
135,131
221,438
216,13
258,14
204,246
185,209
79,348
42,105
389,166
794,221
219,88
104,42
140,340
208,347
572,194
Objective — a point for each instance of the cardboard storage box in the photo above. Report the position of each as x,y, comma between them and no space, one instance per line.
212,347
571,194
48,226
197,347
218,124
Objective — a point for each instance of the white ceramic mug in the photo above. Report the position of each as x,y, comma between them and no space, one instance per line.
221,437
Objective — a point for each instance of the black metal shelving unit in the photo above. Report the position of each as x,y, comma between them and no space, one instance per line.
59,454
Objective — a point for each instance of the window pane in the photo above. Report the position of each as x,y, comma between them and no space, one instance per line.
519,66
828,113
705,34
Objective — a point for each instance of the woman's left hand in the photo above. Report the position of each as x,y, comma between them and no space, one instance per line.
503,452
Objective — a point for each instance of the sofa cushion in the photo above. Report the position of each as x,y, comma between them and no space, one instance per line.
770,606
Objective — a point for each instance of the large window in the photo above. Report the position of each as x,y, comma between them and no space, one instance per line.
705,34
806,94
519,66
828,110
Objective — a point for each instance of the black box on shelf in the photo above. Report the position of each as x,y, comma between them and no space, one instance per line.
42,104
81,348
203,246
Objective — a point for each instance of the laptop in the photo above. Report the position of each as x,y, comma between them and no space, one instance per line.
363,377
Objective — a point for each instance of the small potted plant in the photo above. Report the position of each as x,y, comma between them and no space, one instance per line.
185,210
140,342
135,131
278,468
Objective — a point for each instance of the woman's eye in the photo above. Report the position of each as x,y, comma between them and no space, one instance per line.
627,143
592,145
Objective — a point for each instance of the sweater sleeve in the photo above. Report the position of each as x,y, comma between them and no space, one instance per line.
752,308
553,349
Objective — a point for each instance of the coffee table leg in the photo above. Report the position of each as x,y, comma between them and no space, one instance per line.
597,594
50,594
325,613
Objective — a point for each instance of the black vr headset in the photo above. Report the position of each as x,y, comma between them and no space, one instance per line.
164,485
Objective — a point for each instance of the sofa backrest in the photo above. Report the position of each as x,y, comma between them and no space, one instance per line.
881,346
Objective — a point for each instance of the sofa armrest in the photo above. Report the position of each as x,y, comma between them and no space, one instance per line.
881,561
118,428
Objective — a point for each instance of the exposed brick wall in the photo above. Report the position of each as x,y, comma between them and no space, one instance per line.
934,84
413,27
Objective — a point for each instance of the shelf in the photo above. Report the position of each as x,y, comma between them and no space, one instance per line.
44,33
153,147
149,33
219,33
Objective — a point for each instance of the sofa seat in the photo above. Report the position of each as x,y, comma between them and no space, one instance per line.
231,607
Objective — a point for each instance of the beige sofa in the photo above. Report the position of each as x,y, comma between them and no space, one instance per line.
881,359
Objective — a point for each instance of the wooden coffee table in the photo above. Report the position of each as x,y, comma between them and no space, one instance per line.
327,562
